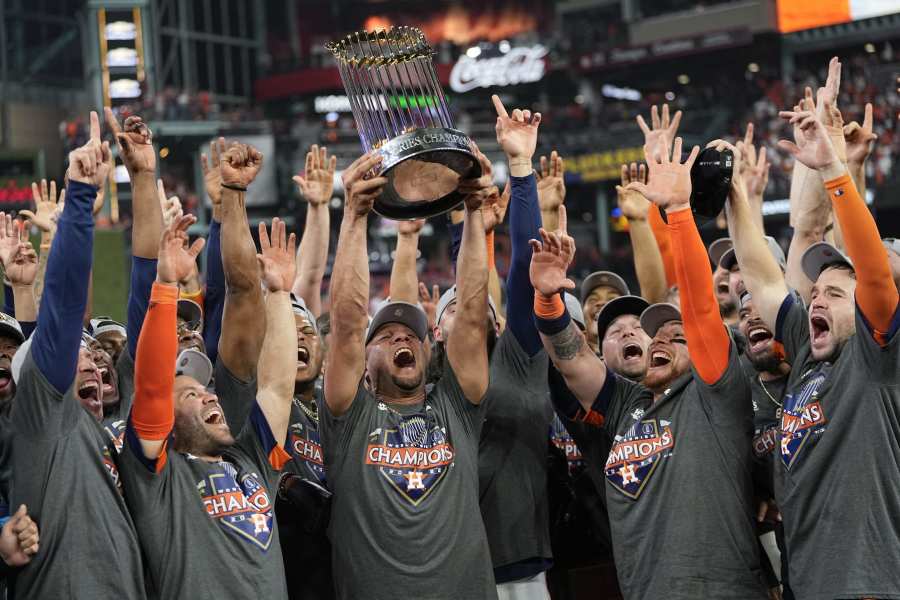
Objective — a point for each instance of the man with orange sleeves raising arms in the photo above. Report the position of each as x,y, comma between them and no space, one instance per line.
677,480
202,500
840,429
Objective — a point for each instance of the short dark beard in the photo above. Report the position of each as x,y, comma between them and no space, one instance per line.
196,440
767,363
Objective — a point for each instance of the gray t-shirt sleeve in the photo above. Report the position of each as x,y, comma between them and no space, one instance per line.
236,397
39,409
881,360
728,400
471,415
792,326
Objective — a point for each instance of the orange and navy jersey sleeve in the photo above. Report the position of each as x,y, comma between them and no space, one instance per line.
876,292
275,455
708,342
153,412
664,241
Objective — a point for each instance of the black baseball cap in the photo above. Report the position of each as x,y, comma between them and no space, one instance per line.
615,308
399,312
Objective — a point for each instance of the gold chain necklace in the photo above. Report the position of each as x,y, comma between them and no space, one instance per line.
771,397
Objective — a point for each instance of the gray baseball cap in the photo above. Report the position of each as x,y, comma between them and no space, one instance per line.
718,248
19,359
575,310
194,363
820,255
449,297
299,307
657,315
892,244
10,326
399,312
598,278
101,325
615,308
729,258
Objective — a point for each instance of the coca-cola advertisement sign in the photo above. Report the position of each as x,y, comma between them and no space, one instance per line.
519,65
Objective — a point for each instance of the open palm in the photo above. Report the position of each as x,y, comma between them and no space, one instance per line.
551,257
177,260
317,182
658,137
669,180
816,150
276,261
551,185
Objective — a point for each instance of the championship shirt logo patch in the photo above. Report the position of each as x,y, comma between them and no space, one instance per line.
116,432
765,441
414,457
306,450
240,505
560,438
635,455
802,418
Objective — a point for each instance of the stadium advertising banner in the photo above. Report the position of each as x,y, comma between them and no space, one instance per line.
601,166
796,15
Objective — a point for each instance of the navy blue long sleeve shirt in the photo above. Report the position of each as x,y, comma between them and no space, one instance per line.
524,223
214,300
57,338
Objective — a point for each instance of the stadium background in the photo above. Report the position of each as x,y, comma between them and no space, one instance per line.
258,71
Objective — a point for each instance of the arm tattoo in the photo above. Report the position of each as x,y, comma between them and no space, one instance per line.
567,343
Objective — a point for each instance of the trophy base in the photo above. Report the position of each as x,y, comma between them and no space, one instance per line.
423,169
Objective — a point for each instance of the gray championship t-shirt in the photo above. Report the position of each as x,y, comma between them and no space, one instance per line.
767,399
405,521
236,396
207,529
65,471
839,456
512,459
678,487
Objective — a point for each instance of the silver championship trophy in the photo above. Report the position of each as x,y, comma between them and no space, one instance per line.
400,110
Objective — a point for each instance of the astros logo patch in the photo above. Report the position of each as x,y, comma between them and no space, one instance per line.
413,458
306,450
635,455
241,508
802,417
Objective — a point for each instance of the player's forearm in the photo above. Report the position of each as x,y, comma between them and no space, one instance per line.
57,338
404,279
524,223
312,256
276,368
663,242
148,222
648,263
26,307
350,283
238,251
44,252
153,412
708,343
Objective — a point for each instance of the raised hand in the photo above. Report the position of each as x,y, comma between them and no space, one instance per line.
212,177
429,302
90,163
478,191
412,227
817,151
135,142
754,167
669,179
276,262
360,188
659,138
19,539
9,239
551,257
631,202
516,134
171,207
827,96
177,260
24,266
859,138
45,206
100,200
494,207
551,186
240,165
317,182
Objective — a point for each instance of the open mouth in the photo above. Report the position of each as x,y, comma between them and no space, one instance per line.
659,358
632,351
722,289
214,417
107,379
404,357
758,337
819,327
302,357
5,378
89,390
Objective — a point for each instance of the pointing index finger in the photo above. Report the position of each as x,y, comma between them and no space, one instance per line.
563,219
95,126
498,106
